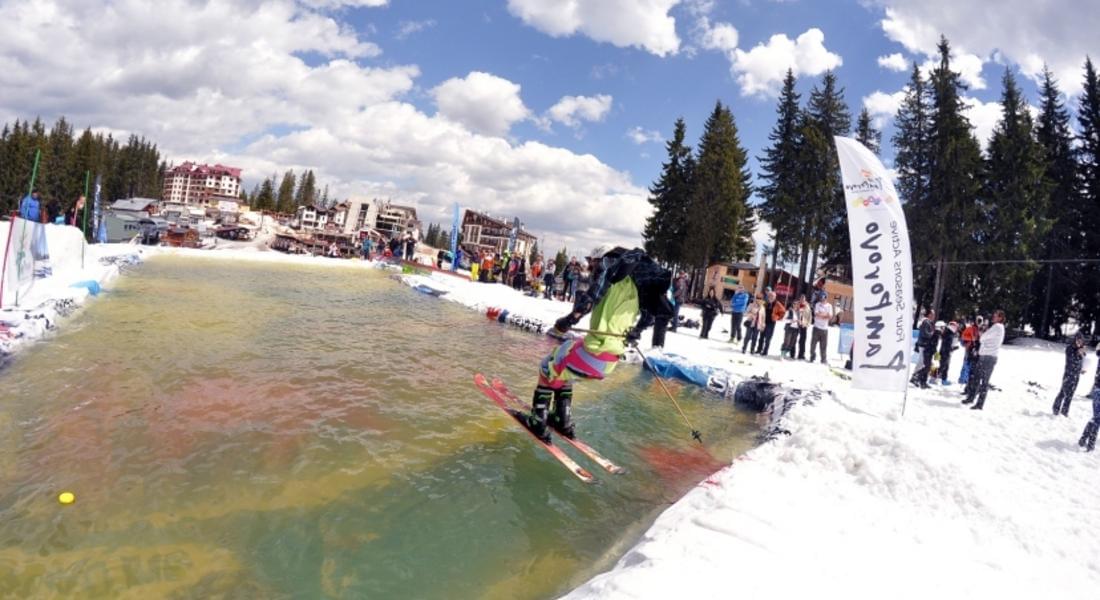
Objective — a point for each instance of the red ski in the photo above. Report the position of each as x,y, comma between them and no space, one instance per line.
587,450
483,385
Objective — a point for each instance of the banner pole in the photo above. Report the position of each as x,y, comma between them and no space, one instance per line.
30,189
83,239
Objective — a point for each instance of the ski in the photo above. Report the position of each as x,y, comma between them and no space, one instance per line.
581,473
585,449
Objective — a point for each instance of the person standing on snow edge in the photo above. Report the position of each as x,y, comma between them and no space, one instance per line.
626,296
738,305
1088,437
1075,355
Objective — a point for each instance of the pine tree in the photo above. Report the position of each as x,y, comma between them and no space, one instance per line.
1088,157
284,202
307,190
1055,286
324,197
533,253
948,225
781,193
666,229
827,116
1015,203
720,195
265,199
866,134
560,260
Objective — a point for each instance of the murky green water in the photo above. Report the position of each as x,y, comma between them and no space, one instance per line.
260,431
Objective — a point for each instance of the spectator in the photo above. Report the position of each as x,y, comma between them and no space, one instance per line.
410,247
1075,355
947,346
754,322
548,279
570,277
989,346
819,339
969,339
679,296
805,322
367,247
774,311
30,208
53,212
738,305
72,217
519,280
790,334
711,307
1088,437
926,346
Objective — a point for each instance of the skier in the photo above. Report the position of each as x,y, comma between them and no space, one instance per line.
1088,437
1075,355
626,284
711,307
947,346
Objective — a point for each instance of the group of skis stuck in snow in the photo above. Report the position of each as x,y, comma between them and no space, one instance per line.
629,294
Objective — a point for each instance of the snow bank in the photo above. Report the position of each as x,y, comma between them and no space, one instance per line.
862,502
74,278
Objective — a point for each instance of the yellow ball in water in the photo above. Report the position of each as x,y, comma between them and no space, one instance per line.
66,497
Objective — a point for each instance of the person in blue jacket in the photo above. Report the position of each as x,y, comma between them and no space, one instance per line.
738,304
30,208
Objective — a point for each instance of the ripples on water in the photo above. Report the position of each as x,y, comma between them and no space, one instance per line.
250,430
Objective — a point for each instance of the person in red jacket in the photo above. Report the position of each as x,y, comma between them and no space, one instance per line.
774,311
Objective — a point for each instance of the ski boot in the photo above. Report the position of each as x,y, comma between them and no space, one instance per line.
562,419
1088,438
540,408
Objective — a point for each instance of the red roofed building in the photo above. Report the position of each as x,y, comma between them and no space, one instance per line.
190,183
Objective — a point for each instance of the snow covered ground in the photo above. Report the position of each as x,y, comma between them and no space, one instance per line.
74,279
862,502
859,501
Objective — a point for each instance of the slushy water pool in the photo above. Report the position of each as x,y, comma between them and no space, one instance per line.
251,430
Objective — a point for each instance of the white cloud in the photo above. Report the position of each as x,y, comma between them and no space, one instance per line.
333,4
223,81
571,110
719,36
893,62
983,116
640,136
482,102
407,28
1029,33
643,24
883,107
761,70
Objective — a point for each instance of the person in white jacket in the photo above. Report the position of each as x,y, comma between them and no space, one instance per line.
988,347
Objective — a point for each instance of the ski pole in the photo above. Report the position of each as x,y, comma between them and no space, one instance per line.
694,432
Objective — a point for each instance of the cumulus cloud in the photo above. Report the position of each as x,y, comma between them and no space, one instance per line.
482,102
323,4
761,70
1057,32
983,117
722,37
224,81
883,107
642,24
640,136
572,110
893,62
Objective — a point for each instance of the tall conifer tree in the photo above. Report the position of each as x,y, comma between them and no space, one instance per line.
721,192
781,204
670,196
1088,157
1055,286
1014,204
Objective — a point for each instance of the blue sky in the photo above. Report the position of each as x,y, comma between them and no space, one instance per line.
516,107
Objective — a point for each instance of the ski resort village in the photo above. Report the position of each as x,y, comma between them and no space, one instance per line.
532,299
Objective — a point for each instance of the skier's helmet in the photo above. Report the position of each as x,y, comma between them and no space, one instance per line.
599,251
